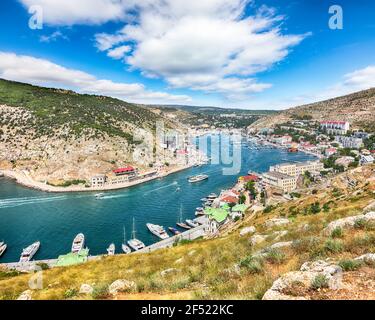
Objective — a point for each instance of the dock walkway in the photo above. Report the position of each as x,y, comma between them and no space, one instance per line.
191,234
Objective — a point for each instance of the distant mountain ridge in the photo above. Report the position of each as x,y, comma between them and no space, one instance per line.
357,108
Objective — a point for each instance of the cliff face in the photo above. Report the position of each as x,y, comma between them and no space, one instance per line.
62,135
357,108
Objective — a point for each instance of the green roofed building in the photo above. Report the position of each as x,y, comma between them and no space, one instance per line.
219,215
71,259
240,208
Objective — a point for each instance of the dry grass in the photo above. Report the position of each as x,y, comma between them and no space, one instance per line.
207,269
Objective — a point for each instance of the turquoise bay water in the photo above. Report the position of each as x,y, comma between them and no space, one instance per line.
28,215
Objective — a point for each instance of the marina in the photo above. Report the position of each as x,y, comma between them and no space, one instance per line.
55,219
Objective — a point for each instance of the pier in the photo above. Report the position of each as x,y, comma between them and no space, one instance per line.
36,265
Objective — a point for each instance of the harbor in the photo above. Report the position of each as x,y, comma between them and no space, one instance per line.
55,219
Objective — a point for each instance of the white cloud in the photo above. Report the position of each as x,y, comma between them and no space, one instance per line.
203,45
53,37
43,72
119,52
70,12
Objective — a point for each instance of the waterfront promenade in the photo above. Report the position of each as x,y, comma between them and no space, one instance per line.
190,235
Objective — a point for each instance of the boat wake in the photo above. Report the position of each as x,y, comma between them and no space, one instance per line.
16,202
175,183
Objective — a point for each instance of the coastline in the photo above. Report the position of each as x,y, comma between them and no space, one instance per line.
25,180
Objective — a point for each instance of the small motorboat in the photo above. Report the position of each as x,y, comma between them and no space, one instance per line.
183,225
191,223
124,247
111,249
78,243
174,230
99,196
198,178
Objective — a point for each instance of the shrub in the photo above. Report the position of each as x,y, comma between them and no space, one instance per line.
360,224
100,291
337,233
70,293
350,265
333,246
275,256
319,282
268,209
252,264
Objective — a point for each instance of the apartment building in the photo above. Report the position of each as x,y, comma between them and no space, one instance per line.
335,127
98,180
296,169
349,142
281,181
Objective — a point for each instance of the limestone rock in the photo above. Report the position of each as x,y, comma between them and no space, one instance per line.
26,295
122,286
279,245
276,222
247,230
368,258
257,238
349,222
86,289
279,234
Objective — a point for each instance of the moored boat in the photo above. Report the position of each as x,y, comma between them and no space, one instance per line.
157,231
174,230
183,225
198,178
78,243
111,249
124,247
134,243
3,247
191,223
29,252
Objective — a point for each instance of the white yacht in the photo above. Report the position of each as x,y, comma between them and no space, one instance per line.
198,178
111,249
157,231
28,253
78,243
3,247
134,243
124,247
199,211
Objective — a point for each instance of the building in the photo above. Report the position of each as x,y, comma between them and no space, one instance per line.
98,180
248,178
284,140
128,171
280,180
344,161
349,142
335,127
330,152
366,159
296,169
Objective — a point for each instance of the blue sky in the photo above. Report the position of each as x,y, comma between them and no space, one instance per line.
239,53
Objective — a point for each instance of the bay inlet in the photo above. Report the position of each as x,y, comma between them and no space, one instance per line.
28,215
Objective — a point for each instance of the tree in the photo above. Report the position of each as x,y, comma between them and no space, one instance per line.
250,186
242,199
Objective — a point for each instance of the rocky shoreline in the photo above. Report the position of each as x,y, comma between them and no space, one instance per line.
25,180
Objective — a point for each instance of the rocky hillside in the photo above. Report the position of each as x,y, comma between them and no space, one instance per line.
60,134
286,252
357,108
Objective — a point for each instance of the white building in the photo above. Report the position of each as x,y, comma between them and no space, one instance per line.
296,169
98,180
335,127
349,142
280,180
365,159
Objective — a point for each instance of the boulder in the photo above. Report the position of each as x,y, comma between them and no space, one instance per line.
279,234
122,286
247,230
279,245
257,238
276,222
349,222
367,258
86,289
26,295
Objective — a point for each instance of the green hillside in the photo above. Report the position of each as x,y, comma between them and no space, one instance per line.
57,108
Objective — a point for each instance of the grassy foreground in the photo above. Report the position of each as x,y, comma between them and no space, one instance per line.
223,267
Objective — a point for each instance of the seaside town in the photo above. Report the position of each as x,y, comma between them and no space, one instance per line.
335,146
